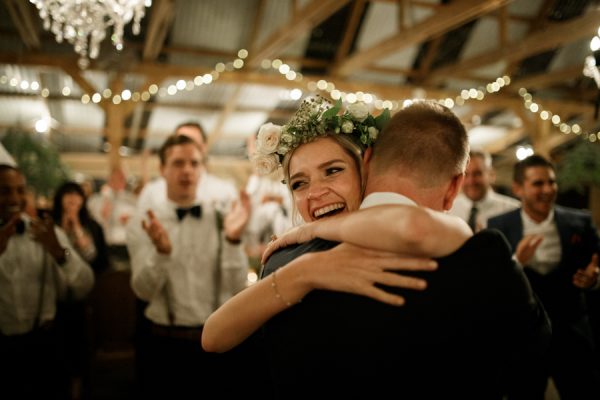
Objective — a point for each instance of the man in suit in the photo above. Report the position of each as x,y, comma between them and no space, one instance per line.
470,335
558,249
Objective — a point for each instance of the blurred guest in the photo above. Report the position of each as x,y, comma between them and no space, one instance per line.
85,234
184,264
478,201
112,207
271,209
70,212
558,249
38,265
212,190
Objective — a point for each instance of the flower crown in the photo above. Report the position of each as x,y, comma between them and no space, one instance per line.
316,117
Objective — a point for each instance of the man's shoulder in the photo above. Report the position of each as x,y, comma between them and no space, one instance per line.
572,212
504,217
489,245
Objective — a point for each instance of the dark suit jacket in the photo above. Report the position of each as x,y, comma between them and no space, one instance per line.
466,336
578,239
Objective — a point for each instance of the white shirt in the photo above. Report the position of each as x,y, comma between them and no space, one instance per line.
547,256
491,205
22,266
190,271
267,216
379,198
212,191
112,209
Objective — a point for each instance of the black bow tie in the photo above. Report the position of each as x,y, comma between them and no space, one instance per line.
195,211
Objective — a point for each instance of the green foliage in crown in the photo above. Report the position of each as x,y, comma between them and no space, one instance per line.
315,118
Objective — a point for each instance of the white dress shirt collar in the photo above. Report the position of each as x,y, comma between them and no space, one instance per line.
378,198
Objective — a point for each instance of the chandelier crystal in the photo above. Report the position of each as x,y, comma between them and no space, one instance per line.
84,23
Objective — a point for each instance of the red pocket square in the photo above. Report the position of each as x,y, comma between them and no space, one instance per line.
575,238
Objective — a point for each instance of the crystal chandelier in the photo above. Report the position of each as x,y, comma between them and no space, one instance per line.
84,23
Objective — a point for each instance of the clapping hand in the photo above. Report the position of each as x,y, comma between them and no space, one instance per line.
236,220
587,277
527,247
157,234
70,223
42,231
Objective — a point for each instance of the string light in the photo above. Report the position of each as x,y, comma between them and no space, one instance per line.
153,89
556,119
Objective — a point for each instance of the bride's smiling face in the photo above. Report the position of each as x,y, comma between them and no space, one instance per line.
324,179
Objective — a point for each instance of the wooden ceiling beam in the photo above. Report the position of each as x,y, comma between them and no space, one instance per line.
302,21
351,27
447,18
161,18
256,24
550,37
227,111
21,14
547,78
383,91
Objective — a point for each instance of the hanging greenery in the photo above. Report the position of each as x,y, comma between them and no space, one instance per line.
580,167
37,158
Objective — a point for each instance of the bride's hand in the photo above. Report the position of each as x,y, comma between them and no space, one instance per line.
298,234
357,270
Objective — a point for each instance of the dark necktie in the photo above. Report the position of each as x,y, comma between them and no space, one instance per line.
473,218
195,211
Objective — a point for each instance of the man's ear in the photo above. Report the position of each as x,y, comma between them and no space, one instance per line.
367,157
453,190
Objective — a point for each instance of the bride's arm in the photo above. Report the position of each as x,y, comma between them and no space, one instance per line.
344,268
418,231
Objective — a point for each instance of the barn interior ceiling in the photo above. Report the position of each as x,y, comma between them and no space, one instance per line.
511,70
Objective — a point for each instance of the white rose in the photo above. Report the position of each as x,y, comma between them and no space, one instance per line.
347,126
373,132
359,111
264,164
268,138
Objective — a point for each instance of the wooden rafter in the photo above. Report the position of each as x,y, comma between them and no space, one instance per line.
230,106
161,19
383,91
21,14
351,28
258,16
536,24
302,21
446,19
551,37
546,79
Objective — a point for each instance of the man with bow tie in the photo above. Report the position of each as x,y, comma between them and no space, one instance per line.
185,261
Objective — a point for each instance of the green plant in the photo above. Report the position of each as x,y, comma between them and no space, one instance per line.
580,167
37,158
